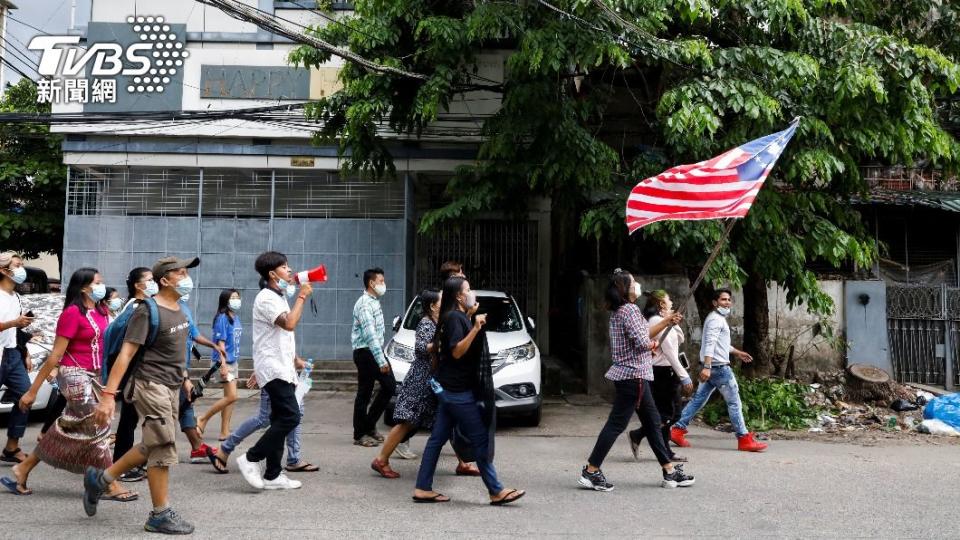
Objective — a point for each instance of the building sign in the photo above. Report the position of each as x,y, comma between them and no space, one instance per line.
301,161
254,82
136,66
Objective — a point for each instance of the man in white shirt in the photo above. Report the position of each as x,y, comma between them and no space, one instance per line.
13,367
274,356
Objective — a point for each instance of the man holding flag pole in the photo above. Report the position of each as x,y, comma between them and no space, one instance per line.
721,187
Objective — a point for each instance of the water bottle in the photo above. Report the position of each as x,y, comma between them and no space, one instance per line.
304,382
435,386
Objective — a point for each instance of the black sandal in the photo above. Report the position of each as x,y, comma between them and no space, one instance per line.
507,499
435,499
10,456
218,463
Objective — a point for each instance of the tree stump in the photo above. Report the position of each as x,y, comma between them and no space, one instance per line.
870,383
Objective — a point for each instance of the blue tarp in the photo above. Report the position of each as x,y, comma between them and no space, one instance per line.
944,408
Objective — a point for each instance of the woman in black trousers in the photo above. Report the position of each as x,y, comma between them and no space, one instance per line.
632,372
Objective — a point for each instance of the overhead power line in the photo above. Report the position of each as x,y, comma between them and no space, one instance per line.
271,23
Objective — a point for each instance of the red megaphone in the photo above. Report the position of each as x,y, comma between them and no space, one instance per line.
317,275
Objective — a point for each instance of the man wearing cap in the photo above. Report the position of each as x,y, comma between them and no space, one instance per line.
13,366
154,386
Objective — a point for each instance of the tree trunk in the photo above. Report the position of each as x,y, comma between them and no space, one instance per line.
756,325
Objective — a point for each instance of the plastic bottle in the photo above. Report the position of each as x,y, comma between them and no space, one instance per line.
304,381
435,386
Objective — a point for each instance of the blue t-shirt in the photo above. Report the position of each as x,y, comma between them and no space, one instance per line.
194,331
229,333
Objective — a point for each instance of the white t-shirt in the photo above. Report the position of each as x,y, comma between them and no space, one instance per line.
9,310
274,348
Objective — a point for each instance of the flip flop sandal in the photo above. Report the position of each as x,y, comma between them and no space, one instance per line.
10,456
218,463
123,496
14,487
507,499
306,467
435,499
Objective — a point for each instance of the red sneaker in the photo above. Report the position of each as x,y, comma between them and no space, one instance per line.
679,437
200,454
748,444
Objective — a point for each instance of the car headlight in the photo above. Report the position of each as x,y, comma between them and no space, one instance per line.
397,351
514,355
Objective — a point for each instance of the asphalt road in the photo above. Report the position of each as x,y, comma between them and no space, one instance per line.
797,489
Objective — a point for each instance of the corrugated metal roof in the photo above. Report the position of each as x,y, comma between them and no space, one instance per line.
942,200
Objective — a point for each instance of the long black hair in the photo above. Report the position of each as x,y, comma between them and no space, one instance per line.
618,290
448,303
133,278
223,306
83,277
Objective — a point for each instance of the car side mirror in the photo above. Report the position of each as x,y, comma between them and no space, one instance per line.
396,323
532,327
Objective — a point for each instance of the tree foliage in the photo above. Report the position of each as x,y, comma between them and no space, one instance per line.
33,177
699,77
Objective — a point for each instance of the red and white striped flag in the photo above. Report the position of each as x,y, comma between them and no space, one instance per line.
722,187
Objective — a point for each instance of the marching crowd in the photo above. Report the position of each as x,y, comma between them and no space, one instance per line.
132,359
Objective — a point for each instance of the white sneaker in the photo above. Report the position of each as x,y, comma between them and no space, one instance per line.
403,451
251,471
282,482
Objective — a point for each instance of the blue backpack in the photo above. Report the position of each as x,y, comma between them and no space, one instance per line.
117,330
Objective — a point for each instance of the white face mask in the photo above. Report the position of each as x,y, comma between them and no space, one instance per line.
637,289
470,300
380,289
234,304
724,311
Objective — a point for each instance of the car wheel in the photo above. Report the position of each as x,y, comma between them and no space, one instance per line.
533,418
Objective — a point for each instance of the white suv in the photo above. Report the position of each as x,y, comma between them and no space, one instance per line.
515,357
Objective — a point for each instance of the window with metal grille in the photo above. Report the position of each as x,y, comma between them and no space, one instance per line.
325,194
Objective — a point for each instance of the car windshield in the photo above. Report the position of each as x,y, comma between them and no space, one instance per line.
502,314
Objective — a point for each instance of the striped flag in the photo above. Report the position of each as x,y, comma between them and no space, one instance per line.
722,187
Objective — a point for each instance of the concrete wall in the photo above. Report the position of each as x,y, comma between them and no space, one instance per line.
787,326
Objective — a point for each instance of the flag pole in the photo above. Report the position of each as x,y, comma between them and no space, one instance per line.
706,266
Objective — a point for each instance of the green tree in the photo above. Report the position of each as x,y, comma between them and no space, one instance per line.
33,176
688,78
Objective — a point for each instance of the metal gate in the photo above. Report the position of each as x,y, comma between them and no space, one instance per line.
497,255
923,326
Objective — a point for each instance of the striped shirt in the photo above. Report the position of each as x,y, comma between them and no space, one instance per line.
630,345
367,332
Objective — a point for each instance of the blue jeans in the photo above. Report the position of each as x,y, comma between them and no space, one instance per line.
13,374
261,421
722,379
459,409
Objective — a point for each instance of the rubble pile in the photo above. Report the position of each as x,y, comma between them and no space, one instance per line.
848,405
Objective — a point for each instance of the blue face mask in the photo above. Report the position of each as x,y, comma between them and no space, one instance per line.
19,275
282,283
184,287
115,304
151,289
723,311
98,292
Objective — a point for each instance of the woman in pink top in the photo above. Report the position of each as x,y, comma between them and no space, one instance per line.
74,441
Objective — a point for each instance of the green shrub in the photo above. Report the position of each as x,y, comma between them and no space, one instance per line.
767,404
